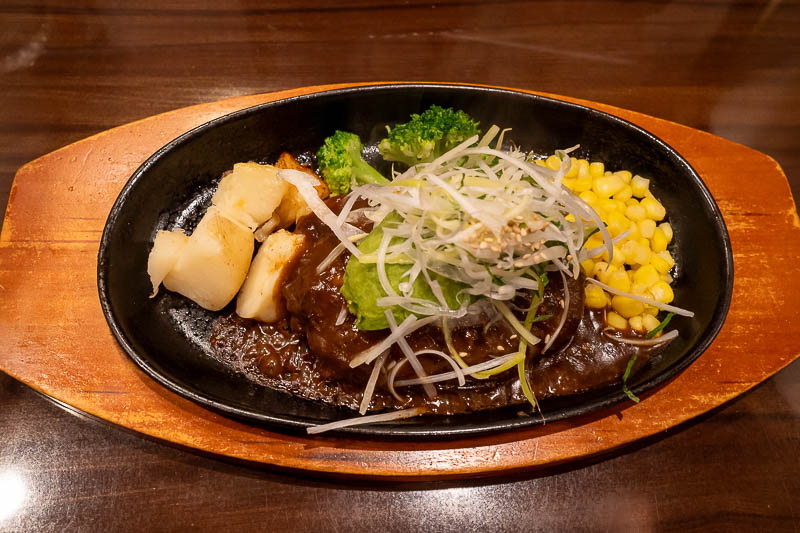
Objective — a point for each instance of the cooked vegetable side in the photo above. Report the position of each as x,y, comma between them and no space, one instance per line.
480,276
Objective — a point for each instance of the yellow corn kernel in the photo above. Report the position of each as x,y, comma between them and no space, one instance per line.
588,196
660,264
596,168
626,307
595,297
659,241
619,280
650,322
640,186
628,248
568,183
638,287
553,162
582,183
573,168
617,223
646,274
606,186
587,267
662,292
644,243
636,323
667,229
653,208
635,212
647,227
616,321
570,217
651,310
624,194
602,270
631,201
635,253
583,168
540,162
624,175
608,204
667,257
618,258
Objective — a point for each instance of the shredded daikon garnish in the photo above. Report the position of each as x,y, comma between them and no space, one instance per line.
373,379
564,314
643,299
667,337
446,376
408,325
487,226
360,420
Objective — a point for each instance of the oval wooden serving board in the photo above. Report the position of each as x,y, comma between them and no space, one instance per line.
54,338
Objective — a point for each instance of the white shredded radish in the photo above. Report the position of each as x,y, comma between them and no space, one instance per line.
409,325
266,228
643,299
373,379
411,357
446,376
370,419
564,314
391,377
305,186
346,208
457,369
330,258
342,316
666,337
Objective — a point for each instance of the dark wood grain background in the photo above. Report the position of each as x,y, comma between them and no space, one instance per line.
72,69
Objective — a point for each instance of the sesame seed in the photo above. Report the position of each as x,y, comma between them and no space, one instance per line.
462,354
514,336
500,348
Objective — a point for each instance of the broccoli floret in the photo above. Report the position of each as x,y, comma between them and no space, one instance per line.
342,165
428,135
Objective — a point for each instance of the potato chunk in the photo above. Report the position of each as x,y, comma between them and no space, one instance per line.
250,193
213,264
167,248
261,297
292,207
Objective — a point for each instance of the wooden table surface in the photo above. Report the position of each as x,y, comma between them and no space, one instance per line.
71,69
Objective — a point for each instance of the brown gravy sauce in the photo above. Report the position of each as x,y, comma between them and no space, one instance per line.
308,355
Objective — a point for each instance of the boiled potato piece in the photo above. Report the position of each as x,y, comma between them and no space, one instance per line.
250,193
167,248
213,264
292,207
261,297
